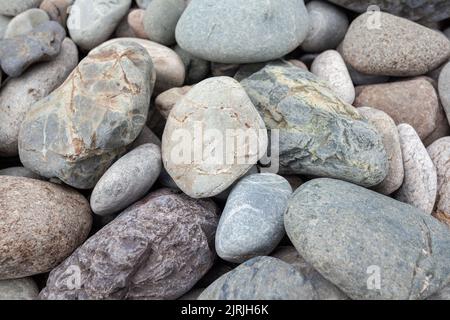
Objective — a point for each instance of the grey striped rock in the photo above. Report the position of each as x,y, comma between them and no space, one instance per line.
419,187
156,249
251,224
26,22
231,31
127,180
19,172
13,8
76,132
319,134
19,94
43,43
18,289
261,278
92,22
354,236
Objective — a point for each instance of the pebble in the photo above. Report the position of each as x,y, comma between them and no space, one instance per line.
19,94
4,21
42,224
231,31
439,153
76,132
386,127
25,22
161,18
91,23
127,180
19,172
43,43
420,184
155,250
57,10
330,67
328,25
444,89
323,288
13,8
376,50
220,104
410,101
196,69
251,224
368,234
18,289
136,22
167,100
261,278
320,134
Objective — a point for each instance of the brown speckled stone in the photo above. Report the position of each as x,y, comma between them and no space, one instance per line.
41,224
157,249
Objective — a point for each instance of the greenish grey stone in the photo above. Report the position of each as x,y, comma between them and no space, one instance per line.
319,134
354,236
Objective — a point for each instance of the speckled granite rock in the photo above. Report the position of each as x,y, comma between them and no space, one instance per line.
25,22
19,94
408,247
127,180
251,224
19,172
231,31
18,289
324,289
41,44
220,104
157,249
419,187
57,10
261,278
375,50
40,223
319,133
76,132
13,8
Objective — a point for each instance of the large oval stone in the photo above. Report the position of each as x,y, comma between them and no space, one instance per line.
156,249
76,132
319,134
369,245
41,224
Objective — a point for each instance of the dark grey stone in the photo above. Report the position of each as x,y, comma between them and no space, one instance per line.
196,69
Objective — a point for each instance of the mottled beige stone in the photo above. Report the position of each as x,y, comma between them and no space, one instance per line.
167,100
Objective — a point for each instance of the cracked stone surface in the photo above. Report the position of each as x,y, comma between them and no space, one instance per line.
349,233
419,186
41,224
320,134
261,278
217,106
156,249
77,131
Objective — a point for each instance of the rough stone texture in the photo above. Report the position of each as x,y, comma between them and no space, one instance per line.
157,249
161,18
170,72
348,233
261,278
327,27
136,22
18,289
40,223
319,134
251,224
167,100
412,101
439,153
4,21
19,94
330,67
91,22
25,22
419,187
323,288
76,132
444,89
219,104
128,180
41,44
57,10
231,31
19,172
196,69
396,47
388,130
15,7
417,10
